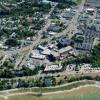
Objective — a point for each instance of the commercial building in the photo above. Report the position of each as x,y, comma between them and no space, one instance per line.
36,55
54,55
61,53
53,68
63,41
64,51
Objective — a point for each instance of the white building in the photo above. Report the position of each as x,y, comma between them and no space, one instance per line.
36,55
52,68
64,51
46,52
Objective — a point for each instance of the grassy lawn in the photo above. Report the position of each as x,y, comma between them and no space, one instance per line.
1,98
87,93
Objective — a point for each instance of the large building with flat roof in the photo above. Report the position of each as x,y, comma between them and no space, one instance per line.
64,51
61,53
53,68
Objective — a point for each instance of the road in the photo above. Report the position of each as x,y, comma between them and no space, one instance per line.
72,26
39,36
68,30
73,23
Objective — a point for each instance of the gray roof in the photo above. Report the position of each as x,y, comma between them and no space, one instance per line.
64,41
83,46
55,54
54,28
66,49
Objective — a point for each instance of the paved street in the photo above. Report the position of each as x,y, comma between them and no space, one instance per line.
72,26
39,36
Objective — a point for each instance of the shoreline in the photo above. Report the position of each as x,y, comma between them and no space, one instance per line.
73,89
5,97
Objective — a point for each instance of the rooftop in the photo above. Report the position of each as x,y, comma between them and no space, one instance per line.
46,52
56,54
53,68
68,48
37,55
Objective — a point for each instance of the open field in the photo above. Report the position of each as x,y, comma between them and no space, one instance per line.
86,93
1,98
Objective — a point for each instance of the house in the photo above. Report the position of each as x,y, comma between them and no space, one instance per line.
3,47
13,35
85,18
40,47
97,21
74,53
51,46
71,67
93,3
45,34
52,33
85,67
53,68
54,28
19,73
45,1
69,14
97,24
68,9
90,10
